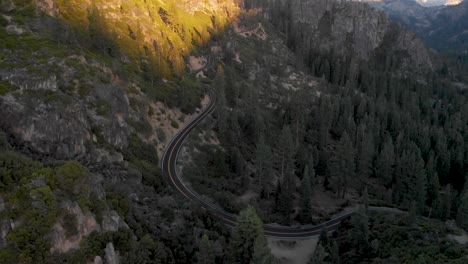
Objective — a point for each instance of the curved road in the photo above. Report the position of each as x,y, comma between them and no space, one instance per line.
169,170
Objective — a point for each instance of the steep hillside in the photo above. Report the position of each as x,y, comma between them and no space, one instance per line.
80,130
162,32
441,27
342,35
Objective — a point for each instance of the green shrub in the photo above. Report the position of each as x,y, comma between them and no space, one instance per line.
161,134
150,172
139,150
150,111
182,118
103,107
118,202
142,126
3,88
174,124
97,207
84,89
70,174
3,22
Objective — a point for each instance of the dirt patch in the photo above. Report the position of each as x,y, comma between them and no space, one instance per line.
248,196
325,204
462,239
237,58
164,118
196,63
292,251
458,234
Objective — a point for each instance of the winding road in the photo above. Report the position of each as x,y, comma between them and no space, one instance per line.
169,170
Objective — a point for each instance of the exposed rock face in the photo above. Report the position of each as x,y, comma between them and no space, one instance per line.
340,26
86,223
111,256
5,227
56,128
192,6
48,6
113,126
352,30
26,82
97,260
63,125
111,221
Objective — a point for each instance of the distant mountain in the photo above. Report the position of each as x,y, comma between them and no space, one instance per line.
439,2
441,27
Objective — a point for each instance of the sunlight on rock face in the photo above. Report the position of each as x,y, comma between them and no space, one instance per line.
164,31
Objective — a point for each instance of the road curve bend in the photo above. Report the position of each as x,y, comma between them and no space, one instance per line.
169,171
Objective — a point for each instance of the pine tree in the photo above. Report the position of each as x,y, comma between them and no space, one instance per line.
462,214
446,208
411,178
205,254
248,229
319,256
385,162
286,153
263,163
360,233
433,185
311,166
221,101
261,252
365,200
306,195
342,165
365,156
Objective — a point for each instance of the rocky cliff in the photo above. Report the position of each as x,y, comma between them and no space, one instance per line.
348,30
441,27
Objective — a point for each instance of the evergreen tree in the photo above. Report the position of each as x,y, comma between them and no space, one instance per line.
433,186
261,252
232,90
286,154
248,229
221,102
319,256
365,200
263,163
360,234
205,254
385,162
462,214
342,165
365,156
311,166
411,178
446,208
306,195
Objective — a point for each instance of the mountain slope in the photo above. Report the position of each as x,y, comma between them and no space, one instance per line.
162,32
441,27
347,33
